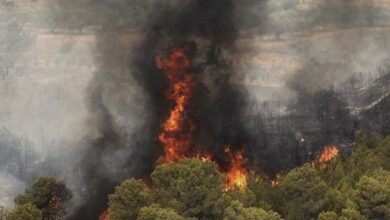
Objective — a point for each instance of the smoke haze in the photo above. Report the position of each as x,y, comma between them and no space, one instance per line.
83,100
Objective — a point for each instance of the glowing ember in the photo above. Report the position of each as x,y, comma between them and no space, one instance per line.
275,182
104,215
204,156
236,176
328,154
177,130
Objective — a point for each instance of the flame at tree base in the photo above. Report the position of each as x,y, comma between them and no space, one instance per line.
237,174
327,155
178,129
104,215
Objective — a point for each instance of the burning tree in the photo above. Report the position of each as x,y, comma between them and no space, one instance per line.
196,188
178,129
328,154
48,195
237,173
192,106
189,188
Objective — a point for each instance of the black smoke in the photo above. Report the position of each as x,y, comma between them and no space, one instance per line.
207,31
127,101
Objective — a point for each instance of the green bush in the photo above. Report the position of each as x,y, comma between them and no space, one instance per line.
128,199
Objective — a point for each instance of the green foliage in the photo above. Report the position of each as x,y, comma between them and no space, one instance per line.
306,193
363,178
349,213
3,212
192,187
128,199
155,212
369,154
48,195
236,211
328,216
246,196
266,196
26,212
372,140
351,187
373,195
383,153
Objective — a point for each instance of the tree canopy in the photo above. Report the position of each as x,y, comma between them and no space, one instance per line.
352,186
128,199
26,212
155,212
48,195
192,187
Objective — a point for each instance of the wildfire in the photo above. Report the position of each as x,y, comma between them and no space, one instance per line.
177,130
204,156
236,176
104,215
328,154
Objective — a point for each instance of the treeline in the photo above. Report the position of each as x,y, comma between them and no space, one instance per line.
353,186
294,130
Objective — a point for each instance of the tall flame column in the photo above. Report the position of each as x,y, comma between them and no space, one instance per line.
177,130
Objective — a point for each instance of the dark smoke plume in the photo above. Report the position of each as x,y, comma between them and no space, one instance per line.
128,93
127,101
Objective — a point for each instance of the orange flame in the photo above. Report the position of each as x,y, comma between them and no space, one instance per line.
177,130
104,215
236,176
327,155
204,156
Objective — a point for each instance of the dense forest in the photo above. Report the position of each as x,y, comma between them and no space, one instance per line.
352,186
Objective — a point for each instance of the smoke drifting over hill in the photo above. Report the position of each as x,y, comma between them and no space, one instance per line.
306,110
